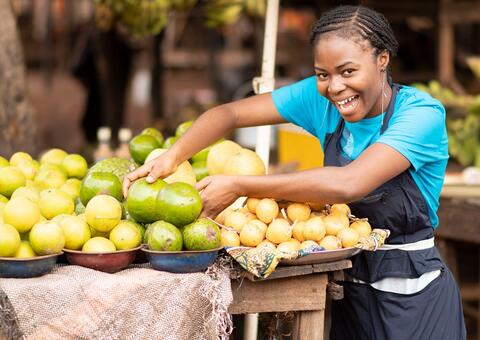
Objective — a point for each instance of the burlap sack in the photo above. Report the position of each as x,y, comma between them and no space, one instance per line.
74,302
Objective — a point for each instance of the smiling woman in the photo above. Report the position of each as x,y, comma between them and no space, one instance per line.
385,149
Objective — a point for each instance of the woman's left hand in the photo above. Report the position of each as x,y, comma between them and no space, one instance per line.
217,193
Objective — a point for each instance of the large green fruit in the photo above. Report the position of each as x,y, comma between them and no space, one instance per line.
117,166
202,155
182,128
200,169
142,203
155,134
202,234
140,146
164,236
179,203
100,183
169,142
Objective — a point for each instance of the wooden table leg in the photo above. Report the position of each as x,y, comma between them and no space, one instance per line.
309,325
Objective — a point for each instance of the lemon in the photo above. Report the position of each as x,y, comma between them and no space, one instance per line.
72,187
308,244
28,192
297,231
10,240
19,157
334,223
75,166
11,178
28,168
330,242
50,176
314,229
267,245
298,211
54,202
125,236
229,238
236,220
21,213
252,204
76,232
266,210
3,162
103,213
263,227
341,209
25,250
289,247
362,227
279,231
349,237
99,245
47,238
53,156
251,235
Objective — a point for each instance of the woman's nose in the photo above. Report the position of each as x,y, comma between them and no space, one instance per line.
336,85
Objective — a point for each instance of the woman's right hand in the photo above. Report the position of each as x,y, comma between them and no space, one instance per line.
160,167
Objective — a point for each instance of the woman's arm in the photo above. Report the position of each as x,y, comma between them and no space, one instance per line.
375,166
208,128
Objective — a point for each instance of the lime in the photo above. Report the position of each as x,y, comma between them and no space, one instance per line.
169,142
76,232
179,203
3,162
200,169
47,238
50,176
202,234
28,192
10,240
25,250
182,128
19,157
54,156
125,235
21,213
154,133
140,146
164,236
103,213
202,155
100,183
11,178
29,168
142,200
54,202
99,245
75,166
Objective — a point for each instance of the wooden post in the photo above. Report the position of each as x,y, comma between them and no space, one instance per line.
446,46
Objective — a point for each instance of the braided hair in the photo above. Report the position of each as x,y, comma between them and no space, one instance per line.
357,22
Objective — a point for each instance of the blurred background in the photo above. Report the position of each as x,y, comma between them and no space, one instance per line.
73,66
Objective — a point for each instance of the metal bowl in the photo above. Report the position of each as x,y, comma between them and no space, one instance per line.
106,262
323,256
27,267
187,261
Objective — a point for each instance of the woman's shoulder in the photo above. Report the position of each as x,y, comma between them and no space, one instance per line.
412,98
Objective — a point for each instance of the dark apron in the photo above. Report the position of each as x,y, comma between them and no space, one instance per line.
367,313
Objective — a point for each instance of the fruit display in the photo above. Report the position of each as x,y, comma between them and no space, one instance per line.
463,118
228,12
289,227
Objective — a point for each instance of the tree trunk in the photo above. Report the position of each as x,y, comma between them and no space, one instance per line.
17,126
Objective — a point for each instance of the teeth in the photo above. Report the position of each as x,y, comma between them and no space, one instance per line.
343,102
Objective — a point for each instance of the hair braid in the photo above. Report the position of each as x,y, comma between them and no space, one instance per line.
361,21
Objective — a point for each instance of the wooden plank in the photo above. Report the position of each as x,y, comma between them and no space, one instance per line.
459,221
309,325
446,51
281,272
460,191
460,12
470,292
301,293
335,291
332,266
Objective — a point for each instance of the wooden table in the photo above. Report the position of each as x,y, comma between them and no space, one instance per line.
303,289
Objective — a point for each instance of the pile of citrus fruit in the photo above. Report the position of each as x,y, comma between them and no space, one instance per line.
291,226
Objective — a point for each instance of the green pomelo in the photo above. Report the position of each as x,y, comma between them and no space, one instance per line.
100,183
169,142
200,169
142,200
140,146
202,155
179,203
117,166
182,128
202,234
164,236
154,133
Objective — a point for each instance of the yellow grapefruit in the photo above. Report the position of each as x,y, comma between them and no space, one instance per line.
9,241
244,162
99,245
103,212
21,213
219,154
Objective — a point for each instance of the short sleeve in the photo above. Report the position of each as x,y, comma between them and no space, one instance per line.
301,104
417,130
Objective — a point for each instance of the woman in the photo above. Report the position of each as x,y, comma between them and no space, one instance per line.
385,150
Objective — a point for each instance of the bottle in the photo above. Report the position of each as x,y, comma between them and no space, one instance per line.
124,136
103,149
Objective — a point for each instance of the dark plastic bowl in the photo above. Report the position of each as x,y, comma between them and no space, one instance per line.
187,261
106,262
27,267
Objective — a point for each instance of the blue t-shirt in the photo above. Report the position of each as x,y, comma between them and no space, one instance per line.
416,130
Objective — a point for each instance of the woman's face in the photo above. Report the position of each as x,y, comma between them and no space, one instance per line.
349,75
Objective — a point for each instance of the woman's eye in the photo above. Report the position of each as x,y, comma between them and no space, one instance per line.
322,76
348,72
